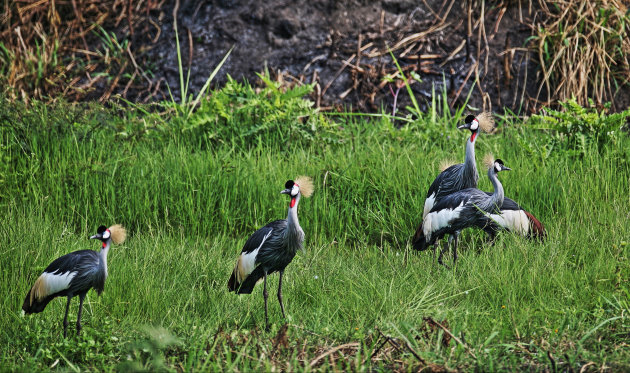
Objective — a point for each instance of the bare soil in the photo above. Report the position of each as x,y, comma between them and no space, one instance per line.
317,41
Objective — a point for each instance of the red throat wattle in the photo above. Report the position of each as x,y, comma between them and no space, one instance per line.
472,137
293,200
104,244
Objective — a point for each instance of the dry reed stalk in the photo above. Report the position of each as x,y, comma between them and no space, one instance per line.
47,49
583,49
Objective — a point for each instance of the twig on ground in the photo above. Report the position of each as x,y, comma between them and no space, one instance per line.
466,347
332,350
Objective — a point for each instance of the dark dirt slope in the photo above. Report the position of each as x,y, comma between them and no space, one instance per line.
317,41
88,49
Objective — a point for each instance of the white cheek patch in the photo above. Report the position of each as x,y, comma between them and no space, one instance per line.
474,125
436,220
106,234
295,190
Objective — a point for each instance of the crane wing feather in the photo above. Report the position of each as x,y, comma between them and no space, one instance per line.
508,204
257,238
71,261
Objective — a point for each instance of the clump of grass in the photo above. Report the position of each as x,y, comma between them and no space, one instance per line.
47,48
584,50
243,114
34,68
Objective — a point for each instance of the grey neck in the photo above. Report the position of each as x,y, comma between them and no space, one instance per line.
294,235
496,199
292,216
469,172
103,254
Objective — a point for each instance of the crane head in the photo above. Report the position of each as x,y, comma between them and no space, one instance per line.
101,233
471,123
483,121
499,166
291,188
302,185
116,233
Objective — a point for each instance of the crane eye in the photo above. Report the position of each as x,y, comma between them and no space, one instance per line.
106,234
474,125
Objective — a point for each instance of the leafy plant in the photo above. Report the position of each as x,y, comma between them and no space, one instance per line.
580,127
147,355
238,112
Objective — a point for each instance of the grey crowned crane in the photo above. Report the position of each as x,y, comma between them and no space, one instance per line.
512,218
74,274
271,248
459,210
458,176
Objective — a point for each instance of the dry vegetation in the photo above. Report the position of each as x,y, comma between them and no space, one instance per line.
92,49
584,50
48,48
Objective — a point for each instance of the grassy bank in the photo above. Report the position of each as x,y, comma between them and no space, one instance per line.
190,202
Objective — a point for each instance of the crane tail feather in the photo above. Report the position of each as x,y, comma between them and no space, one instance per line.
537,230
247,286
232,282
46,287
32,304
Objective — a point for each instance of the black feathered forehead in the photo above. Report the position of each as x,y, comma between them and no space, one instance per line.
289,184
469,119
101,229
499,161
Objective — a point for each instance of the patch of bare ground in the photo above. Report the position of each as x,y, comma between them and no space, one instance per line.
504,54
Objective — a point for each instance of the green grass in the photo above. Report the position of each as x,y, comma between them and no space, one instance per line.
189,208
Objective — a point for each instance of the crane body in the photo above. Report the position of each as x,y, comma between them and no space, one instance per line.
271,248
459,210
74,274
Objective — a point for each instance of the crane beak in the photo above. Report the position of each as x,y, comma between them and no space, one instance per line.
506,169
99,236
464,126
286,191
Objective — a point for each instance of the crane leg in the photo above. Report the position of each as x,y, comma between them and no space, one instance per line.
442,251
65,318
435,248
455,239
280,294
265,295
491,238
81,299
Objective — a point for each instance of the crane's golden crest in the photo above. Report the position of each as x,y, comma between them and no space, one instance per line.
488,160
486,122
38,291
446,163
306,185
119,234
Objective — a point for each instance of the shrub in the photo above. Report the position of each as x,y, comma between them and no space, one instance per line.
579,128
